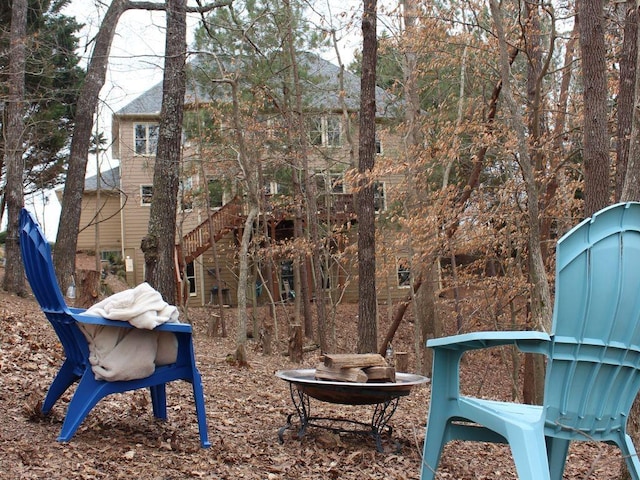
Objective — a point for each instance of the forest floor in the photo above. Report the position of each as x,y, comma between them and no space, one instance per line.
245,409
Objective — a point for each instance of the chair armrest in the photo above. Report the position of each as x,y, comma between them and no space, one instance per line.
526,341
79,316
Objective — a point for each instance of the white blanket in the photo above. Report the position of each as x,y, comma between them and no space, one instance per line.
131,353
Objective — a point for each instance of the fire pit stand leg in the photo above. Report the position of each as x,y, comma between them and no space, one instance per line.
382,413
301,403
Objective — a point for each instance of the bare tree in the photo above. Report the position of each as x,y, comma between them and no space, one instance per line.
159,243
367,305
14,272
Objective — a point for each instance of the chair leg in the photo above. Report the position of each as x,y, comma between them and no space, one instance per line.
198,397
630,456
159,401
434,441
557,449
529,453
88,393
63,380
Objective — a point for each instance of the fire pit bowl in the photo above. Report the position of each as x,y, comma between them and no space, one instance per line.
350,393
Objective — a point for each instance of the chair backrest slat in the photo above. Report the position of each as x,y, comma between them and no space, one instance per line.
596,324
36,256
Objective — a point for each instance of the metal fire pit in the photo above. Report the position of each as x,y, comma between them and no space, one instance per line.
385,397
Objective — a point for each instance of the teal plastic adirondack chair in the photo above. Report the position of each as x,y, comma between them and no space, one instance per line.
593,359
36,256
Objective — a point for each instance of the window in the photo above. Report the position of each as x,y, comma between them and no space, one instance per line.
379,201
146,193
404,272
191,278
334,131
325,131
111,256
271,188
146,138
186,194
216,192
286,278
337,183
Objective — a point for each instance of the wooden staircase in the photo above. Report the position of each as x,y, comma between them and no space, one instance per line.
231,216
219,223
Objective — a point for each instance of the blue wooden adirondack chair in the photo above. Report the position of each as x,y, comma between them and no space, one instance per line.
593,359
36,255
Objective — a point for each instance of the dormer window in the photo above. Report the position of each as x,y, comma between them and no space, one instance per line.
325,131
146,138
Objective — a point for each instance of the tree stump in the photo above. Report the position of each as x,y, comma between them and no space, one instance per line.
213,326
88,288
295,343
266,336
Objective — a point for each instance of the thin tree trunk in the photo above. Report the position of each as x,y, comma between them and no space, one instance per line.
249,170
626,91
541,308
310,201
367,306
14,271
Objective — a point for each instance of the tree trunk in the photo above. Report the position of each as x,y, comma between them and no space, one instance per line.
533,388
67,237
14,270
159,244
367,306
626,90
595,129
631,184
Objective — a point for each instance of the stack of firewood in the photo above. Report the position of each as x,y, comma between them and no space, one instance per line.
359,368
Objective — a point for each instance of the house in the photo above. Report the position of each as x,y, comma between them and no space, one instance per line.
121,197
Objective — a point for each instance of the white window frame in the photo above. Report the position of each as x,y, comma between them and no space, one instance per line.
193,291
146,196
325,131
379,149
186,188
271,187
146,144
379,187
403,272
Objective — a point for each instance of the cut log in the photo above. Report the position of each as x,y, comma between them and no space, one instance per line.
402,361
354,360
341,374
380,374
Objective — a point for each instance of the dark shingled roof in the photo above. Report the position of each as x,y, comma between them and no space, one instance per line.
322,82
109,180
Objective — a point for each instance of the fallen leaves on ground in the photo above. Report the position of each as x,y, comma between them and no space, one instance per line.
245,409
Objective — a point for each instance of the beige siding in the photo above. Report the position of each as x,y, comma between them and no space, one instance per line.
109,226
